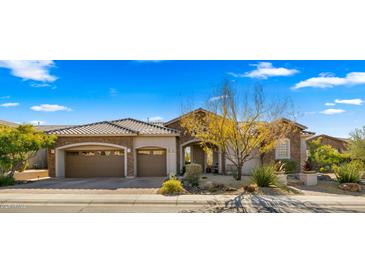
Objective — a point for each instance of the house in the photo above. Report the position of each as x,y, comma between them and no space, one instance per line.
291,148
119,148
338,143
7,123
39,160
130,148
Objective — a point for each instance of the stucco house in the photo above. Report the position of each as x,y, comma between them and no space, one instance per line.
130,148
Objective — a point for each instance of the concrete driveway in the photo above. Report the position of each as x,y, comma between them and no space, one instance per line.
92,183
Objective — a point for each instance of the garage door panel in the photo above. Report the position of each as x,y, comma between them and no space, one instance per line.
151,162
83,164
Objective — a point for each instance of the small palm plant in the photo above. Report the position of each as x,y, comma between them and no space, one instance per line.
264,176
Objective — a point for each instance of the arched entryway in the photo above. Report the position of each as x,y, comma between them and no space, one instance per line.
193,152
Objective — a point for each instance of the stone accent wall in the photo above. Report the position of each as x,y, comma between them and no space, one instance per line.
117,140
295,154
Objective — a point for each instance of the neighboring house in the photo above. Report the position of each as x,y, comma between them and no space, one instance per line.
39,160
338,143
129,148
7,123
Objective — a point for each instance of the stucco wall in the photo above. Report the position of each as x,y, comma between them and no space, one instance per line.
169,143
39,160
183,138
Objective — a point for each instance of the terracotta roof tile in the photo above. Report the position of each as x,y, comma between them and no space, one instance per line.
126,126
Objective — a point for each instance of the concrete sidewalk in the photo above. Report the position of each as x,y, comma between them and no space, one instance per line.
15,202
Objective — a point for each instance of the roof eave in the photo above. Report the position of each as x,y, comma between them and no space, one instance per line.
93,135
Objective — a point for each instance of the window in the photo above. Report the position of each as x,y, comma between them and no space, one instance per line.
119,153
209,157
282,150
158,152
144,152
88,153
187,155
72,153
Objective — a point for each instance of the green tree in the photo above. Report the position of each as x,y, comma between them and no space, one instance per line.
19,144
357,144
325,156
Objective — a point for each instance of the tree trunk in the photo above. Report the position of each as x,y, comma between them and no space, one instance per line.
262,156
239,173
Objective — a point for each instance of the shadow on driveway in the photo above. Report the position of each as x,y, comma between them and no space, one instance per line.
91,183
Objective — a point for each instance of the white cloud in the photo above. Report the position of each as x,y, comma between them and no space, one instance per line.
38,85
50,108
331,111
37,123
357,102
156,119
216,98
30,70
326,80
265,70
329,104
6,105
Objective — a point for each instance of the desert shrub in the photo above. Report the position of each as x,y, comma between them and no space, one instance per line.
349,172
172,176
324,169
325,155
172,187
6,181
289,166
286,166
264,176
193,173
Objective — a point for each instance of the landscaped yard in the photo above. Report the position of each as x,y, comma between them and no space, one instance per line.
325,187
226,184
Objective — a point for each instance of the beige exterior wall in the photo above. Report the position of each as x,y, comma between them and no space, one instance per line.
247,167
168,143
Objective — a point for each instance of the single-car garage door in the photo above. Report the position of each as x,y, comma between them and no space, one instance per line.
94,163
151,162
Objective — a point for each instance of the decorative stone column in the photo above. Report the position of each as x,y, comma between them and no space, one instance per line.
309,179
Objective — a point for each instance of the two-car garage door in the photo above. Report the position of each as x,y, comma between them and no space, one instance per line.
99,162
94,163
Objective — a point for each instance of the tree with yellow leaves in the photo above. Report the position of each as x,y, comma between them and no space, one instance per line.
242,126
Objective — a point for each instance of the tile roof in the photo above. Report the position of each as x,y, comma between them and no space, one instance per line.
126,126
144,128
7,123
51,127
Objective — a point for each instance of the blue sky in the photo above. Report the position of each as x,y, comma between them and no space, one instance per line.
329,95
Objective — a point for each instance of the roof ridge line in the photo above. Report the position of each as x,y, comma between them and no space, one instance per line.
75,126
122,127
157,126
